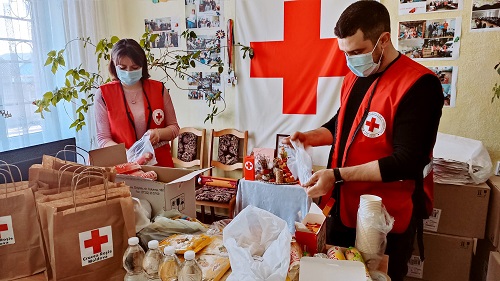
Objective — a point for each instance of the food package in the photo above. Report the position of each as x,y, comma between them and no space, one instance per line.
295,256
213,267
335,253
353,254
186,242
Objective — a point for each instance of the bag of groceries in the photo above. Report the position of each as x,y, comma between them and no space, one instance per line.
86,229
258,244
21,247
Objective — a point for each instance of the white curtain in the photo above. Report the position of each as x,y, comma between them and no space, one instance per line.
29,29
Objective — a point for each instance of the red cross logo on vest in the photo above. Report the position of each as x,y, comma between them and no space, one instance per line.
158,116
96,241
3,227
374,125
300,59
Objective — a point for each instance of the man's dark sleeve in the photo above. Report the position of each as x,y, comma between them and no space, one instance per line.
331,126
414,133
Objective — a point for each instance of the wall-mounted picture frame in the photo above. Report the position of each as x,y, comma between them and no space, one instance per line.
279,138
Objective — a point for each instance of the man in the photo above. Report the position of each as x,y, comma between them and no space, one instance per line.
382,136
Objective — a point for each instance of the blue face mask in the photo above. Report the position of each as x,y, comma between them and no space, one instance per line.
362,65
129,77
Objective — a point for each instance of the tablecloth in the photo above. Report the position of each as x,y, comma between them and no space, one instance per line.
289,202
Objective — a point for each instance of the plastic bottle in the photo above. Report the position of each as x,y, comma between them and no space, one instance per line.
152,261
190,270
132,261
170,265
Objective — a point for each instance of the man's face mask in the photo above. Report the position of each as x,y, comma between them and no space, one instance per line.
362,65
129,77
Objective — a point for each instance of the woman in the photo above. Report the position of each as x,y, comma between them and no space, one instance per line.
132,104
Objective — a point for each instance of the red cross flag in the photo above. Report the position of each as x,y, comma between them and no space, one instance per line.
293,82
6,231
96,245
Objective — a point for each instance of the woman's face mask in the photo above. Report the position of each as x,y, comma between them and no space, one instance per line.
129,77
362,65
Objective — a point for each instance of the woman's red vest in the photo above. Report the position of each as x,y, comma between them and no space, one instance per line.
373,140
121,119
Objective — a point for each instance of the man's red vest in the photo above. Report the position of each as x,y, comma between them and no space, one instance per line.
121,119
373,140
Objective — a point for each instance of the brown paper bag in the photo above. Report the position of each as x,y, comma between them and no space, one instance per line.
88,243
21,249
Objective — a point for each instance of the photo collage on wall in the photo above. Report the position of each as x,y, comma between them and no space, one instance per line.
485,15
168,30
448,77
430,39
202,85
205,17
428,6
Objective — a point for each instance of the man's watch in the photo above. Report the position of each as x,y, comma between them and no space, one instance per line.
338,178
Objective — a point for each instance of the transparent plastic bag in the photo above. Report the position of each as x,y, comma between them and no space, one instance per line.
300,162
142,152
258,244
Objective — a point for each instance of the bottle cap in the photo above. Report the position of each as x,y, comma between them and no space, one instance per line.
169,250
153,244
189,255
132,241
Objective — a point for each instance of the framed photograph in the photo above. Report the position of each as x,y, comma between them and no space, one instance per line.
279,138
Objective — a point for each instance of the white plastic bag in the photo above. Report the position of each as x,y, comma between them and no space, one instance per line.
142,152
300,162
258,244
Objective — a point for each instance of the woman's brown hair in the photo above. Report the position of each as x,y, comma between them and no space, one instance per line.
128,48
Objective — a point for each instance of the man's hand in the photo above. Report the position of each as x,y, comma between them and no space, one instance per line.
320,183
297,136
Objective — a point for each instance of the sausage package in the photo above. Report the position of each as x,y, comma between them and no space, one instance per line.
142,152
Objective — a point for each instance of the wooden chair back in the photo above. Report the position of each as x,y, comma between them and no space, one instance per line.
200,143
242,136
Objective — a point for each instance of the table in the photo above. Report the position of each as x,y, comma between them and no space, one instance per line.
289,202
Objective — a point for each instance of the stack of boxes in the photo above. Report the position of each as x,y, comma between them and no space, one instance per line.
450,234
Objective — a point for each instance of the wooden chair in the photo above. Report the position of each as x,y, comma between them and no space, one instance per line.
200,144
218,165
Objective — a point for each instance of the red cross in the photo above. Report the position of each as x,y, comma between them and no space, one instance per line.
96,241
3,227
372,124
158,116
301,58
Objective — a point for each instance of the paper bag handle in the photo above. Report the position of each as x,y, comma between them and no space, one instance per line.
9,173
67,150
78,147
78,179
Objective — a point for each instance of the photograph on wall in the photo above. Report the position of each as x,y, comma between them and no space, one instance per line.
448,77
428,6
485,15
168,31
209,47
430,39
203,13
203,84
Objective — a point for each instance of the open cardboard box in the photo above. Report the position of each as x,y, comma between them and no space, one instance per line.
174,188
314,242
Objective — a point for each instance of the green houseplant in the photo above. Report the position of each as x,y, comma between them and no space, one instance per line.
80,83
496,87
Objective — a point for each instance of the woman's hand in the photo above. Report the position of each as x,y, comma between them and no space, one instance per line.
320,183
154,136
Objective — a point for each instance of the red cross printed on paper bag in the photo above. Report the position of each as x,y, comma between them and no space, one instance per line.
3,227
372,124
96,241
301,58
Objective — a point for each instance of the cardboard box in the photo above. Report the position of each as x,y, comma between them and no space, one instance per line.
319,269
314,242
447,258
174,188
493,267
459,210
479,266
493,221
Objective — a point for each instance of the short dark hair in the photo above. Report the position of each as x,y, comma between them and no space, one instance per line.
128,48
370,16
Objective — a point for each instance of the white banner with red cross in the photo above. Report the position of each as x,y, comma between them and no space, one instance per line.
293,82
96,245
